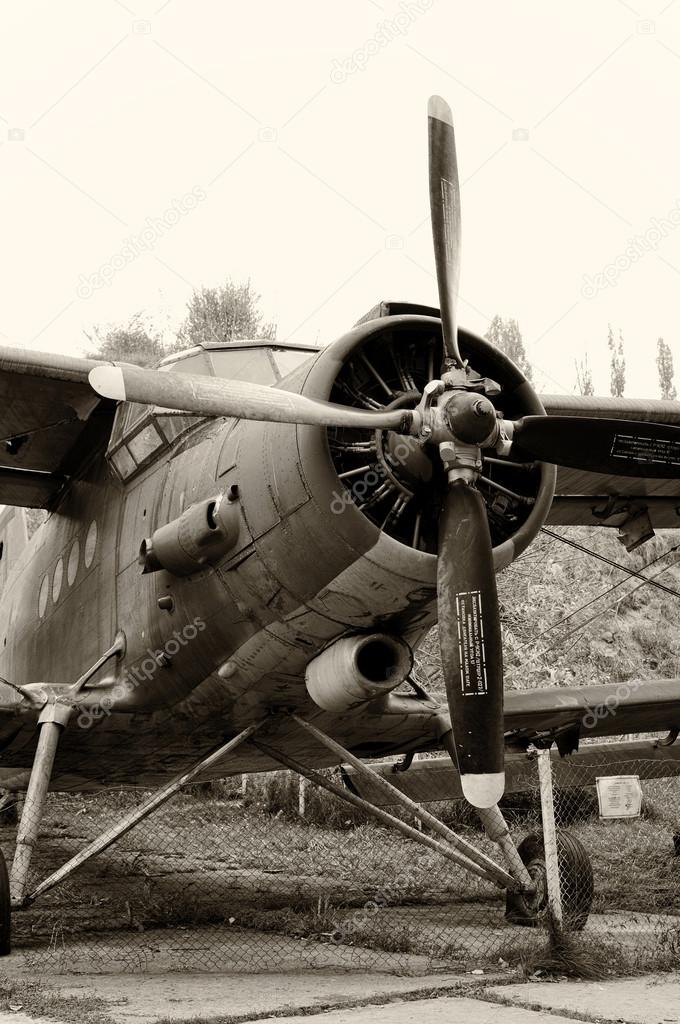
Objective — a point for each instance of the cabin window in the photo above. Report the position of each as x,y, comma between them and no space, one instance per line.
139,447
123,462
42,597
172,424
90,543
145,443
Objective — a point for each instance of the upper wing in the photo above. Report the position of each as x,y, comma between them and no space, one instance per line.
583,498
51,421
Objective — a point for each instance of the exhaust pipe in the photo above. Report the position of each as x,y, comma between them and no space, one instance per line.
202,535
356,669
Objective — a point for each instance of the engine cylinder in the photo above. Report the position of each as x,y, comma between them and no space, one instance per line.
356,669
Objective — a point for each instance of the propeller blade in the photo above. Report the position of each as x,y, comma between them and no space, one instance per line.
445,214
213,396
470,641
619,447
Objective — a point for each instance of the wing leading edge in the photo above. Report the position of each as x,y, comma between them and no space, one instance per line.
593,499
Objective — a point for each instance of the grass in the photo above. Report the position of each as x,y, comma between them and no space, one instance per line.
207,862
35,999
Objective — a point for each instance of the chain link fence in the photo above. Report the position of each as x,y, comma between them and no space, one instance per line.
232,875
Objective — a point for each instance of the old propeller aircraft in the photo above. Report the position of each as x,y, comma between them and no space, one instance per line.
245,545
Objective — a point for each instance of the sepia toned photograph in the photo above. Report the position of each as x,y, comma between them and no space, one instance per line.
339,512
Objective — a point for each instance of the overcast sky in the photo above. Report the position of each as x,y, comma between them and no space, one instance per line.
286,142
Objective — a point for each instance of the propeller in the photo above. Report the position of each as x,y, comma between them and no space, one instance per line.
470,641
620,447
213,396
445,216
469,622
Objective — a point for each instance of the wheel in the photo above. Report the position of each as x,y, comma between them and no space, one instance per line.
5,911
576,883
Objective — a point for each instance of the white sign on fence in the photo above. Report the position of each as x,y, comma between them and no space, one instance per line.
620,796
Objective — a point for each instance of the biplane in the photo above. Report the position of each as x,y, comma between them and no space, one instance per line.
246,545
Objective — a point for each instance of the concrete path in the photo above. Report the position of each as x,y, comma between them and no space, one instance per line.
649,1000
144,998
337,997
445,1010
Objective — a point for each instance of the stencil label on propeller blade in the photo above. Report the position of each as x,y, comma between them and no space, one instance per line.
645,449
449,205
471,643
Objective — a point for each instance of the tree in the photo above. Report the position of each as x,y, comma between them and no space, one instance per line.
508,337
584,377
127,343
617,364
664,362
225,313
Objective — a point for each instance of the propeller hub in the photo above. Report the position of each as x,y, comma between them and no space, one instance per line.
470,417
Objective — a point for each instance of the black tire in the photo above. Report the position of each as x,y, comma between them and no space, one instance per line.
5,911
576,883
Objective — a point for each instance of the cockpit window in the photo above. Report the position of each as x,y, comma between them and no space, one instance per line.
251,364
145,443
288,359
139,431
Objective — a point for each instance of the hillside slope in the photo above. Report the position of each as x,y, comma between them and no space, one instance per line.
628,630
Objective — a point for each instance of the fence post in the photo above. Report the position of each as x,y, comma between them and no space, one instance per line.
552,868
302,795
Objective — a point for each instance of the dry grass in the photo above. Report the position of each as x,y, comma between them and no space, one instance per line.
629,640
35,1000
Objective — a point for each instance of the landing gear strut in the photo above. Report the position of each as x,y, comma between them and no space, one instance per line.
34,805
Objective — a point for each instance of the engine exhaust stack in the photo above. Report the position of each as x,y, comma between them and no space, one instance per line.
356,669
200,536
